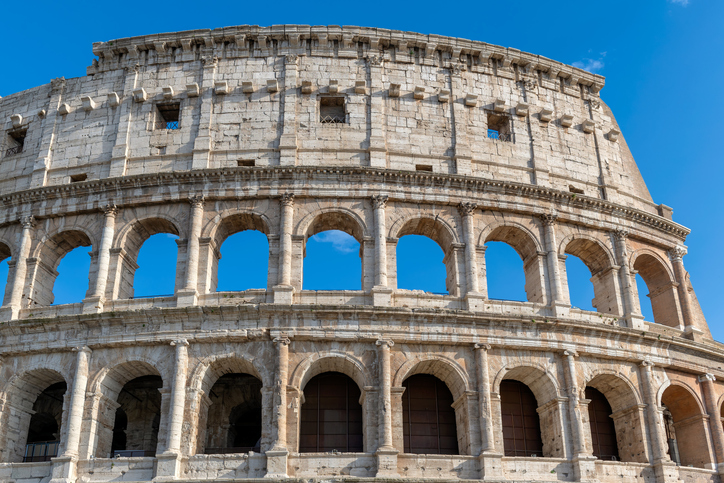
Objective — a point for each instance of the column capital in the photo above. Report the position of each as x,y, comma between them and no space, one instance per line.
379,201
375,60
620,235
291,59
482,347
677,253
385,343
85,349
646,364
27,221
706,377
180,343
285,341
570,353
197,201
548,219
110,209
467,208
287,199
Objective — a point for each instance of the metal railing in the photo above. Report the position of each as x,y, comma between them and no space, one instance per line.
238,449
132,453
36,452
498,136
167,125
332,120
14,150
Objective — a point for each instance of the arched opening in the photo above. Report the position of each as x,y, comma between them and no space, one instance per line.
615,411
661,290
686,428
63,259
520,420
580,289
331,416
418,266
140,414
504,272
44,428
644,301
533,264
428,419
333,253
4,271
603,431
147,266
234,420
33,417
238,254
592,282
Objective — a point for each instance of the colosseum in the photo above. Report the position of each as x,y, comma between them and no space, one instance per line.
296,130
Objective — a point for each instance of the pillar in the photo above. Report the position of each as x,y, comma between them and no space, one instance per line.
188,295
473,296
377,132
284,291
381,293
12,307
288,138
631,308
169,463
583,464
94,303
715,421
490,459
554,273
277,455
690,326
77,401
386,453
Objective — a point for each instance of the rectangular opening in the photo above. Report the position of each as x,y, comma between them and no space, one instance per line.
246,162
16,142
423,167
498,127
167,116
332,110
575,190
74,178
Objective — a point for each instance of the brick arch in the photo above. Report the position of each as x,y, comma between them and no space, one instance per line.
230,222
433,227
682,390
445,369
333,218
539,379
594,253
661,283
330,361
690,422
618,389
19,396
519,237
211,368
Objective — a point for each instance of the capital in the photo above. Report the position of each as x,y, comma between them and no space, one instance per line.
466,208
548,219
287,199
375,60
482,347
197,201
285,341
570,353
27,221
85,349
379,201
677,253
385,343
110,209
180,343
646,364
620,235
291,59
706,377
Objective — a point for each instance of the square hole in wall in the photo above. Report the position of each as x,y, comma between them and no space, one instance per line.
423,167
167,116
575,190
74,178
499,127
16,142
332,110
246,162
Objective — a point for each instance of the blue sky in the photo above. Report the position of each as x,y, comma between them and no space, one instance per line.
661,59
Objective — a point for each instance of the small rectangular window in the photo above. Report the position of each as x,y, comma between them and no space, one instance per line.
74,178
499,127
423,167
167,116
332,110
246,163
16,142
575,190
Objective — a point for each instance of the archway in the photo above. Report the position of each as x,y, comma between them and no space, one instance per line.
238,254
234,422
686,428
138,417
520,421
662,289
428,419
44,270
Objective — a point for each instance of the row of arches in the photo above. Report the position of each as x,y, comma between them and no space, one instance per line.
150,258
129,412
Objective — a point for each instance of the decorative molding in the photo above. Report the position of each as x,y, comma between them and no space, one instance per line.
379,201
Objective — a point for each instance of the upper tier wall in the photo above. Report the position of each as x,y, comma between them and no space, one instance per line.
411,102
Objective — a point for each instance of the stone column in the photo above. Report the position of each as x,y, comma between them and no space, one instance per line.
460,118
664,469
288,138
169,462
125,119
386,453
715,421
377,141
277,455
554,274
49,127
473,296
94,303
381,293
202,143
188,295
490,459
284,291
687,312
77,401
631,309
13,303
575,415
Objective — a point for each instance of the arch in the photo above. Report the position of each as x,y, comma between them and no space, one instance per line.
686,425
21,393
434,228
336,218
618,389
536,377
523,241
661,283
330,361
596,255
211,368
428,416
48,254
445,369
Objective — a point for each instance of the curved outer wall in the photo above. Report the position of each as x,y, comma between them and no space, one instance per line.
411,153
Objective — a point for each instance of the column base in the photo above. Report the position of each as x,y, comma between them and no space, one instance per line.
584,468
475,301
63,469
635,322
491,466
93,305
559,310
276,463
693,333
186,298
283,294
386,462
9,312
381,296
168,467
666,472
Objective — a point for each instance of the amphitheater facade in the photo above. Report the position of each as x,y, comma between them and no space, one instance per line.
294,130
